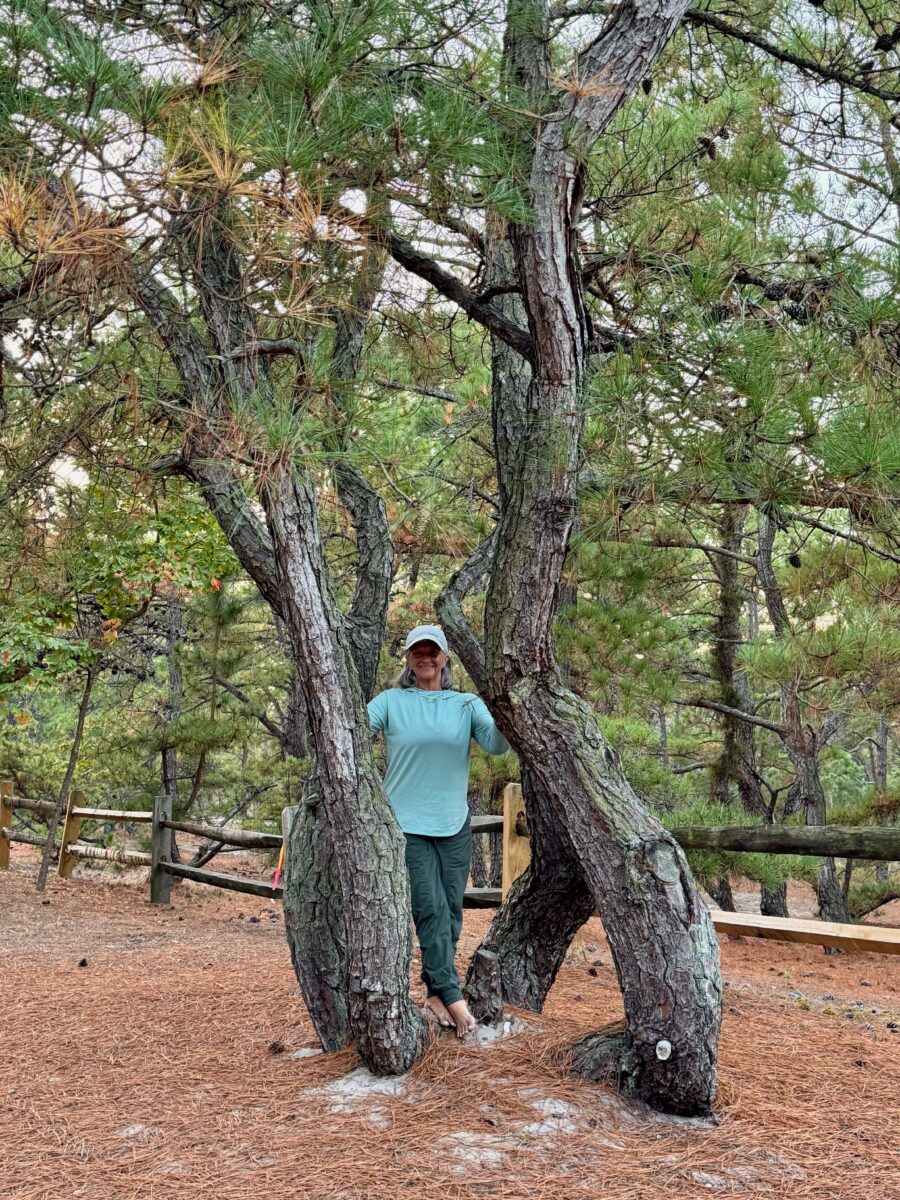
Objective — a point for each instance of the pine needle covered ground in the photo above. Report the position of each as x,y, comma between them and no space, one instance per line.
165,1053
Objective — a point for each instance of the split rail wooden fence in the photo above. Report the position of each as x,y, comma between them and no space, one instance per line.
880,844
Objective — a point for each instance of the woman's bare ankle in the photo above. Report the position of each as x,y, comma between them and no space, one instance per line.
435,1005
462,1018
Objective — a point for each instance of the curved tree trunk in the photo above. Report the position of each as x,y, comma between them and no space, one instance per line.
524,948
285,559
367,843
313,897
313,904
520,956
660,933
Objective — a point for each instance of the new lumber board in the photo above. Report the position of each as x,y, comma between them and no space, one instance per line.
111,814
876,939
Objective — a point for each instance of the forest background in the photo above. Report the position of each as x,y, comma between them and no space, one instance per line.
731,590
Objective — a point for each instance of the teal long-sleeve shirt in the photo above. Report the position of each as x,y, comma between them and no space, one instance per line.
428,736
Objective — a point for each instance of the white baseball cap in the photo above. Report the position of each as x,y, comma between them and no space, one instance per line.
426,633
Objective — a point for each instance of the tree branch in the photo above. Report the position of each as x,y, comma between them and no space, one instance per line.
418,389
697,16
463,638
448,285
238,693
750,718
703,18
848,537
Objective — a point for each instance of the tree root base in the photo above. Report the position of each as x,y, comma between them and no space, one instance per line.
612,1058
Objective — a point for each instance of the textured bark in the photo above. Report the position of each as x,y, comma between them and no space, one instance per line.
313,896
295,729
773,900
520,956
661,936
367,843
284,558
660,933
800,741
723,895
314,920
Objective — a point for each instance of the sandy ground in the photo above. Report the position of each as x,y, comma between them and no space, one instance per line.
164,1053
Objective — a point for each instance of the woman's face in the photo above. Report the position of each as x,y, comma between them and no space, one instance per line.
426,660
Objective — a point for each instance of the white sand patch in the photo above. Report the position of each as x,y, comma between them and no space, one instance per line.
478,1149
556,1116
307,1052
359,1084
484,1035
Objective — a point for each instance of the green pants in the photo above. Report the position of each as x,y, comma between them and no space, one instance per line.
438,871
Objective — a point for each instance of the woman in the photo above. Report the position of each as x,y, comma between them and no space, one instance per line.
428,728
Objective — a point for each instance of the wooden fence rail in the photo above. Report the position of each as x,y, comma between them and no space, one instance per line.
879,844
29,839
228,835
832,841
45,807
131,858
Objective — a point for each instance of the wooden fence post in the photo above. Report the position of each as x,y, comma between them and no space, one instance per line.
161,850
6,815
71,830
516,848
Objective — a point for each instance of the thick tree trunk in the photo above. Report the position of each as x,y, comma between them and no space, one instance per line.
295,728
519,958
367,843
314,920
284,558
660,932
313,902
